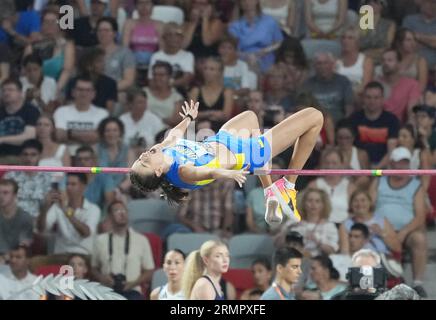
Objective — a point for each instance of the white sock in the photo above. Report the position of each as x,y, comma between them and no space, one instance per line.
289,185
417,283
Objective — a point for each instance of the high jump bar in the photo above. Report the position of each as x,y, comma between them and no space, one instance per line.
258,172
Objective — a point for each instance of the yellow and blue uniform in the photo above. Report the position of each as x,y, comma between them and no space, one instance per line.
255,152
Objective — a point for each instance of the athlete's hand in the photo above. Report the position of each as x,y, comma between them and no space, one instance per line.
189,109
238,175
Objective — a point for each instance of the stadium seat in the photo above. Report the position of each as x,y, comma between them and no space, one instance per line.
156,247
158,279
246,248
188,242
242,279
48,269
150,215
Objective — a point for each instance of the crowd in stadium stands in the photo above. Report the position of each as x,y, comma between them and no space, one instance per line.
102,92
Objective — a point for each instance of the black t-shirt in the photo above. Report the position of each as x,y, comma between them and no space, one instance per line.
373,136
83,33
14,124
105,90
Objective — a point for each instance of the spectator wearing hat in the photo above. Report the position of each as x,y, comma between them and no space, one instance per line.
401,200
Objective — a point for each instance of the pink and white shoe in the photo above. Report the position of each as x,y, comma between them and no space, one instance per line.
273,213
287,198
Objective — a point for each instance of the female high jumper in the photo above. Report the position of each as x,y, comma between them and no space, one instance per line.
177,165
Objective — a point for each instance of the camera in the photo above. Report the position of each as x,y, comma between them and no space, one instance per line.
365,283
119,281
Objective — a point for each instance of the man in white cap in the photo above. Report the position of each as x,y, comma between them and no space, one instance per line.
400,199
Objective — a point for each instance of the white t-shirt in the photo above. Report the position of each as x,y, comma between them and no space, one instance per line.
67,239
68,117
181,61
16,285
6,287
48,88
147,127
239,76
163,108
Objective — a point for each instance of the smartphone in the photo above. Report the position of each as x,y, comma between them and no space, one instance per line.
55,186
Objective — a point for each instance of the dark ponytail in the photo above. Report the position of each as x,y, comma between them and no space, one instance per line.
327,263
152,182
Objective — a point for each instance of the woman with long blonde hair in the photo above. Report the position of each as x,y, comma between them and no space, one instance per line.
203,271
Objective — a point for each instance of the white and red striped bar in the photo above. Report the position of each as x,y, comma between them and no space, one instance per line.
373,173
65,169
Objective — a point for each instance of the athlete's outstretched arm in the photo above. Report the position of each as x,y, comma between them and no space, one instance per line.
192,174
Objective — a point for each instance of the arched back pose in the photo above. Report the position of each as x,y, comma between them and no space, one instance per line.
177,165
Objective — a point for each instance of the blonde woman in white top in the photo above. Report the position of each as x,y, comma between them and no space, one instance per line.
283,11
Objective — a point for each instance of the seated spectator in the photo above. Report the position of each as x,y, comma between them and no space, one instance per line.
352,63
84,32
406,213
262,275
424,120
430,93
374,42
119,62
276,93
237,75
320,235
55,50
75,217
128,263
19,274
38,89
209,209
412,65
17,121
141,35
284,13
401,93
100,188
339,188
172,52
259,35
377,129
382,237
16,225
216,102
5,62
203,271
287,269
424,26
202,29
162,98
91,65
325,279
33,186
77,123
174,264
354,158
332,90
325,19
256,103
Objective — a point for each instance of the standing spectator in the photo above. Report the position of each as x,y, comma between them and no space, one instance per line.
77,123
287,267
339,188
277,95
162,98
320,235
216,102
203,271
424,121
412,65
75,217
174,264
401,200
374,42
141,35
284,12
84,32
401,93
262,275
424,26
353,64
122,259
182,61
19,274
17,121
38,89
91,64
32,185
377,129
55,50
119,62
259,35
15,225
332,90
202,29
325,18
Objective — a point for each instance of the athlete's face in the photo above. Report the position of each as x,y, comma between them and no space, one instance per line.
149,162
173,265
219,260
